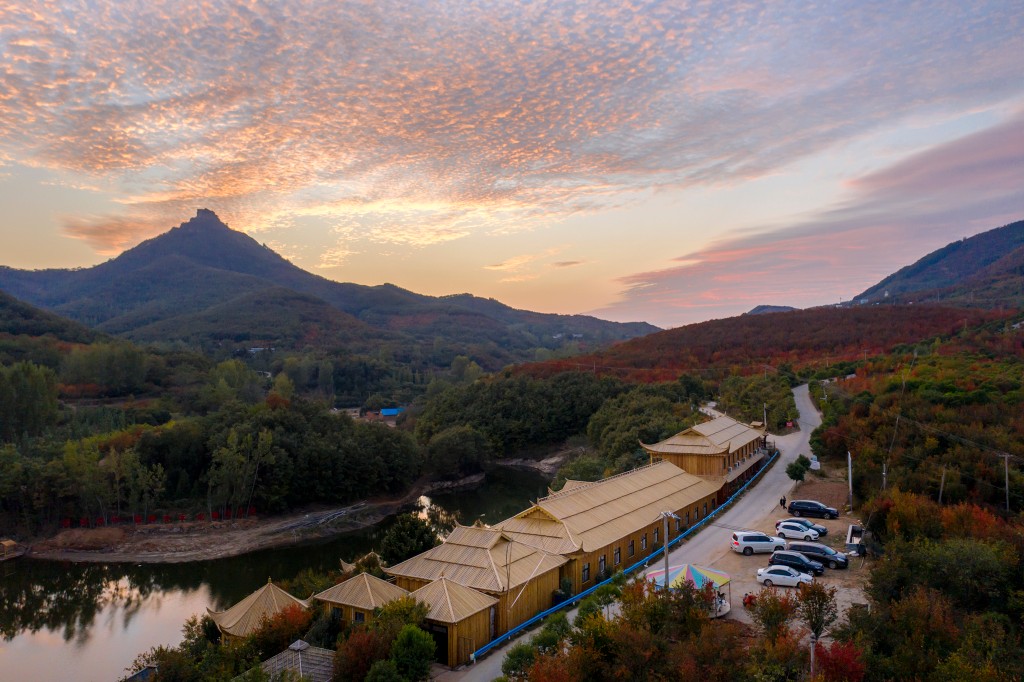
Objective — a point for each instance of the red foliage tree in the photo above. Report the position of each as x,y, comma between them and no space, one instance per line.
841,662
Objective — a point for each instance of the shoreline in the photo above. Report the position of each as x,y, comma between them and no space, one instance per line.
207,541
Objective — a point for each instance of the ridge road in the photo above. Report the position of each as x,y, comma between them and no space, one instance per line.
760,501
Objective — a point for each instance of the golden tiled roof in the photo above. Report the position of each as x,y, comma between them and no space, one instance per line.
363,591
245,617
481,558
451,602
594,515
718,436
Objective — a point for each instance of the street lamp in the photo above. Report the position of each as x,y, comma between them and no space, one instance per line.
664,516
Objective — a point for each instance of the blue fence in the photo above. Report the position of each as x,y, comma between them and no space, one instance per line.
642,563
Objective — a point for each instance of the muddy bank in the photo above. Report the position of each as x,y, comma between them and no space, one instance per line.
203,541
548,466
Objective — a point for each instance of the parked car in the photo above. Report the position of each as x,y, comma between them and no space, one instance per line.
819,552
796,531
812,508
806,523
796,560
750,541
784,576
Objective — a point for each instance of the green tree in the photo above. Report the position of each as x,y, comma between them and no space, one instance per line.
412,653
796,471
517,662
458,451
409,536
385,671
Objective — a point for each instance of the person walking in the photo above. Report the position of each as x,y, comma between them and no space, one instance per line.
782,502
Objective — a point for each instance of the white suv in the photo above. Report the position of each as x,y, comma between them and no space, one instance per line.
749,541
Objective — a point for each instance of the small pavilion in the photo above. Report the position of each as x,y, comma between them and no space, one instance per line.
461,620
358,597
244,618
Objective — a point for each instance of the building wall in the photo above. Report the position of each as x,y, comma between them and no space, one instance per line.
515,607
467,636
348,613
695,511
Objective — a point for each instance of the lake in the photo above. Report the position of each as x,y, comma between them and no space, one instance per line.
94,619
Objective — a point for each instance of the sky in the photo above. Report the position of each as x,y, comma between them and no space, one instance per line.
669,162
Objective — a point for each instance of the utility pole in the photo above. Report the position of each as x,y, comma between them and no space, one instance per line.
849,475
766,415
884,475
942,484
1006,471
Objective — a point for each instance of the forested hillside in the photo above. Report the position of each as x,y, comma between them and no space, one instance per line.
970,268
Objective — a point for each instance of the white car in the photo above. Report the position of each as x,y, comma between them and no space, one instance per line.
749,542
783,576
796,531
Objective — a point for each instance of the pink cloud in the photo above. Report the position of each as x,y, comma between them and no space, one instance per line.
486,117
896,216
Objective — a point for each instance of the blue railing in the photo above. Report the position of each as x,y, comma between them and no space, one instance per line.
501,639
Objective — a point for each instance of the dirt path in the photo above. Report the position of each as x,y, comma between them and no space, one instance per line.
202,540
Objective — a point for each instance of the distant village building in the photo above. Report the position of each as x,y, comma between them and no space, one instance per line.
722,449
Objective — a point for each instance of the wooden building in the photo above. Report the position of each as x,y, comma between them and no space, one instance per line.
242,619
604,526
357,598
521,577
460,619
722,450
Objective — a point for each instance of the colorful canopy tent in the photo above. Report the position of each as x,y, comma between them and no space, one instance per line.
699,576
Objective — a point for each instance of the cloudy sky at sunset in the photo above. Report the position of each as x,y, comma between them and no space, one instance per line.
661,161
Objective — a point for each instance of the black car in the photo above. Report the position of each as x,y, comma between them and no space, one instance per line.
796,560
822,553
812,508
822,531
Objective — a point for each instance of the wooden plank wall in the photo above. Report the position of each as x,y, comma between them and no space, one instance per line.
576,566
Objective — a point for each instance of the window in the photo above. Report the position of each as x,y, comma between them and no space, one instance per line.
679,524
705,509
600,565
643,542
687,519
360,617
656,531
632,547
696,513
618,556
586,572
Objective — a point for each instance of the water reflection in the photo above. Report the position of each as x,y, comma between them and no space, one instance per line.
56,614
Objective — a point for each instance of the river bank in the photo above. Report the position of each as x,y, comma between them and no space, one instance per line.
205,541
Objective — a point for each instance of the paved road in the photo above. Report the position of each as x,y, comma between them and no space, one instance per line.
708,545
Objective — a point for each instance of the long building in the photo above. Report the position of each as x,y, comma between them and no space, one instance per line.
603,526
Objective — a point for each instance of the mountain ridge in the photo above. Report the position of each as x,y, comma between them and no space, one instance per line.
203,263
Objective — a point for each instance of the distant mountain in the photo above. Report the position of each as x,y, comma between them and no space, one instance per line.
986,270
203,282
765,309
